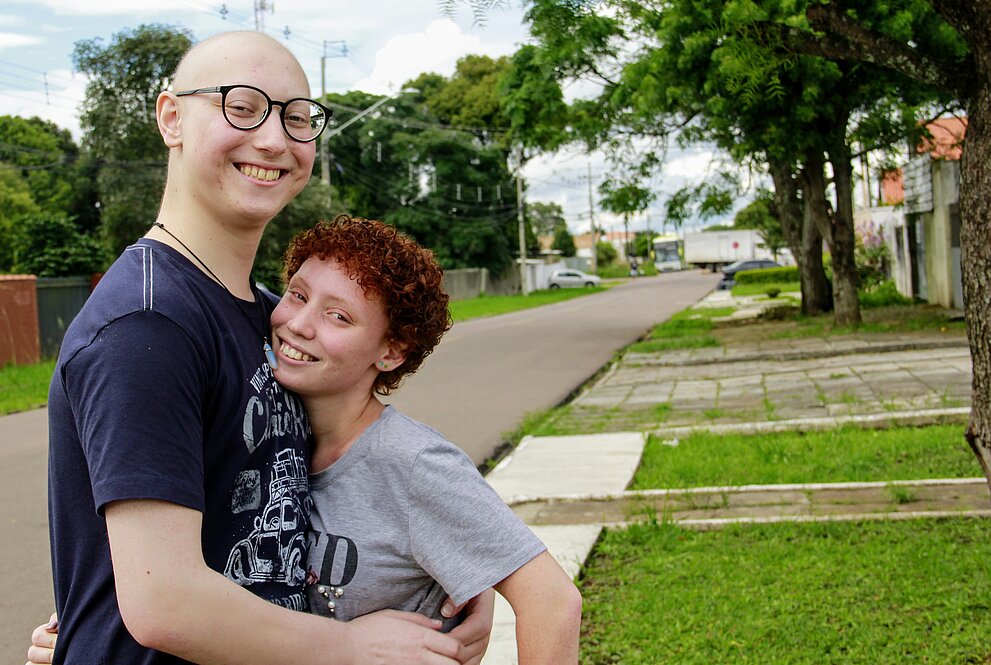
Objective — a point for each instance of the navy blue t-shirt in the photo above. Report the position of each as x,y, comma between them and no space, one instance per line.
162,391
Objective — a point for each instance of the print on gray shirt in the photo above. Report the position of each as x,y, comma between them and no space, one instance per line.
404,519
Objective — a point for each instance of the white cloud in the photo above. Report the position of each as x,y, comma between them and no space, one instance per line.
103,7
436,49
15,40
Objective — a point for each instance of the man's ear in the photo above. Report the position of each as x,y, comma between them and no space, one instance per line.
169,119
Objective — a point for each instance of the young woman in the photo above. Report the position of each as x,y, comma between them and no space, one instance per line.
401,517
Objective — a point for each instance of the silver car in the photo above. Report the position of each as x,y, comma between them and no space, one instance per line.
572,279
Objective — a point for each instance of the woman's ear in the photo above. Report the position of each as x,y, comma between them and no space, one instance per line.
393,357
169,119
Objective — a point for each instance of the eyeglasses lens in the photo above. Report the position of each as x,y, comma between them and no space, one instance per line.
246,108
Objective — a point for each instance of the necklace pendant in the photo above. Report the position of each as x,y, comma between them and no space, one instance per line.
273,362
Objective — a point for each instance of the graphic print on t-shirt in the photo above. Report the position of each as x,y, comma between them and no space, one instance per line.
274,497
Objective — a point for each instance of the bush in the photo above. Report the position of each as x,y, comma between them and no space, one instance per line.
767,275
882,295
52,246
772,292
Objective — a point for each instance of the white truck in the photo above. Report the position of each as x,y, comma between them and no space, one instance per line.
716,249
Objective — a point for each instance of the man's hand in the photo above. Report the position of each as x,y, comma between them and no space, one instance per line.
388,637
474,632
43,643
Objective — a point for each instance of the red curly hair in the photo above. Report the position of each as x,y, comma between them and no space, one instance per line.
392,267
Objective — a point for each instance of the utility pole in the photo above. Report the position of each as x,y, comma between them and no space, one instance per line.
262,6
324,140
521,217
591,219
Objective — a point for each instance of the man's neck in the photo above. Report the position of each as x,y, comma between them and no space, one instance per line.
226,251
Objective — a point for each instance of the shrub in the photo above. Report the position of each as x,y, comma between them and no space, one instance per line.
767,275
772,292
882,295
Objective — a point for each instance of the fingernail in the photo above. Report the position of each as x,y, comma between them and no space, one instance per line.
52,624
447,610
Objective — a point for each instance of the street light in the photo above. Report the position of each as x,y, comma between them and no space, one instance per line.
329,133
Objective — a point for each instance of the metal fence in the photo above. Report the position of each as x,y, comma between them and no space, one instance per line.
59,300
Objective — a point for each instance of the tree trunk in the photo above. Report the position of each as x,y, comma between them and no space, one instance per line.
846,308
803,239
843,238
975,245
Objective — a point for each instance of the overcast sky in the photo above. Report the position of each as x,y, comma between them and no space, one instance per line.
387,43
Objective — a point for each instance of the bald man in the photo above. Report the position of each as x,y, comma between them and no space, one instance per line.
177,475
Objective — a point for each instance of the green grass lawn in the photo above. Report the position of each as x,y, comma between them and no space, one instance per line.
688,329
474,308
849,454
847,593
24,387
761,289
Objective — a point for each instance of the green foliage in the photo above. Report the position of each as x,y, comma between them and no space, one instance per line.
545,218
605,253
767,275
563,241
16,202
53,246
883,294
124,78
757,215
772,291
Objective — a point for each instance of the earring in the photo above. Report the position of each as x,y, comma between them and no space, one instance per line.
383,365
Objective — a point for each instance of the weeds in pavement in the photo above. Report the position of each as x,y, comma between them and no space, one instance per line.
901,494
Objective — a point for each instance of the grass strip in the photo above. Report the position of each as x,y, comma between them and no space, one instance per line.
912,591
848,454
761,289
475,308
688,329
24,387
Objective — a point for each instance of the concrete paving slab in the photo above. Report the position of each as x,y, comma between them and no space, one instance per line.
580,464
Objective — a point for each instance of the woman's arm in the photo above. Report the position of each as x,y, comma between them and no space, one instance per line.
548,611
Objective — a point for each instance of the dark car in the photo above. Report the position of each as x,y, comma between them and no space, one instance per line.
729,272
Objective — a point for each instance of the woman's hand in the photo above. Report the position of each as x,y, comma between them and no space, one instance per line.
474,632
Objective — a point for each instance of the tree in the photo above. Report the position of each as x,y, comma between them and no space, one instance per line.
118,121
545,218
53,246
448,187
944,44
16,203
563,241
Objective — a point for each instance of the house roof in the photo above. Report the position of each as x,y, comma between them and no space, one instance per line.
947,138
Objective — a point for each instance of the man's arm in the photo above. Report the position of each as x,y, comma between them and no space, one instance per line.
548,611
171,601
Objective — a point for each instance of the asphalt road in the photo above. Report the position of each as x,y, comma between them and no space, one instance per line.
478,384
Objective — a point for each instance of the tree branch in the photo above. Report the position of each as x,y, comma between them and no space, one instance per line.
863,44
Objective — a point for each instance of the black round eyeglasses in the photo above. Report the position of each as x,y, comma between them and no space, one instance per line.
246,107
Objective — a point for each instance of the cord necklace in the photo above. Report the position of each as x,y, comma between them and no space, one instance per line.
266,347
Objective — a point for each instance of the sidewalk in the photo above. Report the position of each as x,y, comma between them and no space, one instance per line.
567,488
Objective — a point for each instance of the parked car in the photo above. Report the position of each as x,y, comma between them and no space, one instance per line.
572,279
729,272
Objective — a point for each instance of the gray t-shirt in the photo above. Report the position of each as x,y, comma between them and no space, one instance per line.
404,519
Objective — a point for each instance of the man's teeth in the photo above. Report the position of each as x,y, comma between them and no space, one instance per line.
260,174
295,354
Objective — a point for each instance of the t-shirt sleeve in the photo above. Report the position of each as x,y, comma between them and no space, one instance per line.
462,533
136,391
